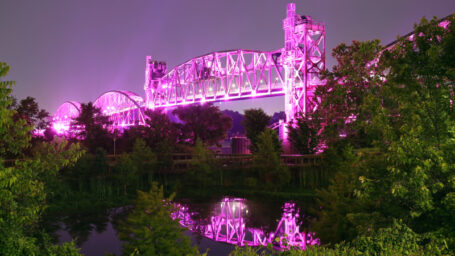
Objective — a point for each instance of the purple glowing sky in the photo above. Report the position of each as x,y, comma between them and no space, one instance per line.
76,50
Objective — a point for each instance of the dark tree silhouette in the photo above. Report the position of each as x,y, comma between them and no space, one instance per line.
303,133
29,110
255,122
205,122
91,127
159,129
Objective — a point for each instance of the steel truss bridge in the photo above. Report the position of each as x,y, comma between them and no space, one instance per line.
292,71
220,76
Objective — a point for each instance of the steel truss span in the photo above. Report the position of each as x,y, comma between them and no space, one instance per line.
124,108
216,76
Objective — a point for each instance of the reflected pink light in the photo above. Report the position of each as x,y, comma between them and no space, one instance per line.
227,224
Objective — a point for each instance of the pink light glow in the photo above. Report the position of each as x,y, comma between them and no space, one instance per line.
444,24
60,128
64,115
228,224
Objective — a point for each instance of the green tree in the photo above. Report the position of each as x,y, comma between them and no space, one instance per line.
342,214
395,240
267,160
255,122
201,171
23,186
159,129
303,133
162,136
410,121
355,76
417,130
205,122
91,127
136,167
143,157
150,230
15,136
88,173
29,110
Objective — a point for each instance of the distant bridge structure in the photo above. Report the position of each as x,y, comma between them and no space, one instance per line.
124,108
291,71
65,113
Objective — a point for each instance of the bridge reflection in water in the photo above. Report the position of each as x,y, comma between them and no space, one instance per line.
228,224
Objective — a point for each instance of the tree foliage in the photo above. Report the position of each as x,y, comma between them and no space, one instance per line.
202,167
160,130
267,160
92,127
353,78
205,122
29,110
255,122
402,102
161,136
395,240
417,128
304,133
15,135
135,167
150,230
23,186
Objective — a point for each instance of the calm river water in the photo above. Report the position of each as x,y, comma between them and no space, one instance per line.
218,225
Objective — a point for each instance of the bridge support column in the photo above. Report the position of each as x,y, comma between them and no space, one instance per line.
303,58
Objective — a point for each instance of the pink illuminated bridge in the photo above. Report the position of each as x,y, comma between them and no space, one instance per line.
291,71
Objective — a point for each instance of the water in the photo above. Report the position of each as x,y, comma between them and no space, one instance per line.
219,225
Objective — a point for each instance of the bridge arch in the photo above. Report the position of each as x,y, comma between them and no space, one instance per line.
124,108
65,113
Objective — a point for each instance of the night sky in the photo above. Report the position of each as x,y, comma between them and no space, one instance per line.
76,50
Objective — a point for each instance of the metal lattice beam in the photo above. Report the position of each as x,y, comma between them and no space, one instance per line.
217,76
